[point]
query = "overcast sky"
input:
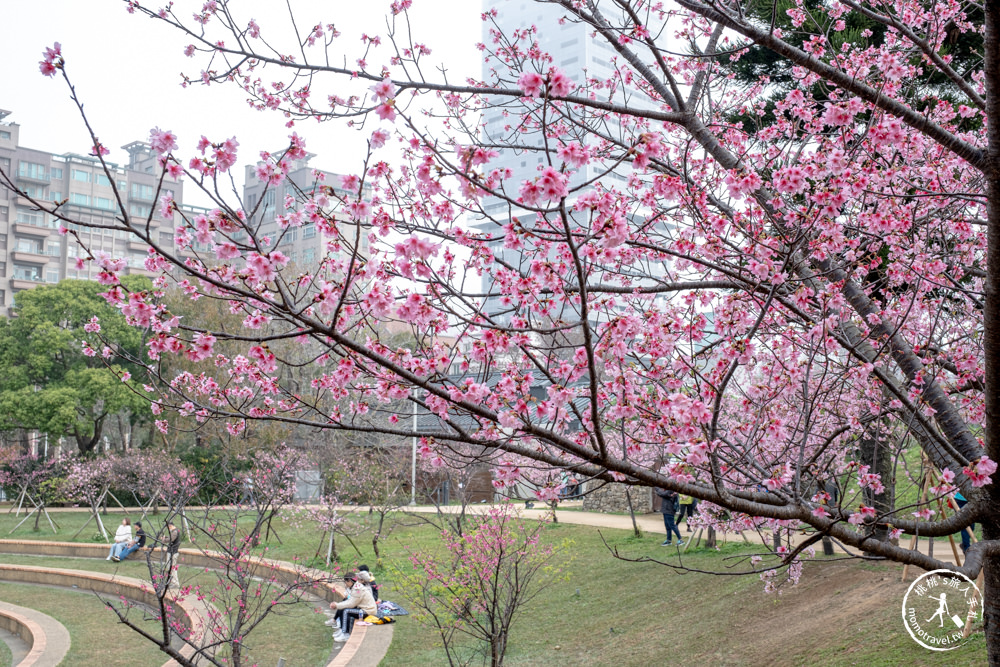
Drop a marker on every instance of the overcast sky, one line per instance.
(126, 69)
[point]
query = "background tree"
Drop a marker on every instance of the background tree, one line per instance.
(53, 376)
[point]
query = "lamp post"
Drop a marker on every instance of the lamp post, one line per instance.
(413, 460)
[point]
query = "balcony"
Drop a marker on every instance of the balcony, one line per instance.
(33, 177)
(30, 257)
(17, 283)
(29, 229)
(140, 271)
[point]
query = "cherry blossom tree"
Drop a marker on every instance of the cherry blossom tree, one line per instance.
(478, 590)
(139, 473)
(33, 480)
(375, 478)
(90, 481)
(739, 308)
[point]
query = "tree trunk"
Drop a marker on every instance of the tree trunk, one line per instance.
(877, 455)
(631, 512)
(991, 323)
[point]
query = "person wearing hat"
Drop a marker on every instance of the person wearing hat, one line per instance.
(358, 604)
(365, 575)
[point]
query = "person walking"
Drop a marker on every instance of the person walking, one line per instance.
(668, 507)
(687, 510)
(173, 546)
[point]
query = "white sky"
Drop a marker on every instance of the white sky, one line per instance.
(126, 69)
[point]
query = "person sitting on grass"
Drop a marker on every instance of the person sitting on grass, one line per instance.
(357, 605)
(122, 537)
(126, 549)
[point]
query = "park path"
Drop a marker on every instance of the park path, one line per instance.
(571, 512)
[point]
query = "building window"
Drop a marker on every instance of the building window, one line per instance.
(268, 211)
(80, 175)
(24, 272)
(166, 238)
(4, 134)
(3, 297)
(4, 212)
(308, 255)
(56, 195)
(122, 186)
(3, 269)
(309, 231)
(31, 170)
(28, 245)
(53, 249)
(52, 275)
(34, 191)
(105, 203)
(28, 217)
(102, 179)
(140, 211)
(79, 199)
(3, 241)
(57, 173)
(5, 164)
(142, 192)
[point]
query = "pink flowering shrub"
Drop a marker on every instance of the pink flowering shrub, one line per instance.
(474, 593)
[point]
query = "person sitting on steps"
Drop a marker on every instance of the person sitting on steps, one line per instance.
(122, 537)
(357, 605)
(125, 549)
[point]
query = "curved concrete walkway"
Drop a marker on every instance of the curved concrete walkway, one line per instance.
(46, 639)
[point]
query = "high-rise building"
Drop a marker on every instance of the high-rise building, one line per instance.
(574, 51)
(304, 245)
(578, 54)
(32, 252)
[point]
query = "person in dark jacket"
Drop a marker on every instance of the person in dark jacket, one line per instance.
(668, 508)
(131, 547)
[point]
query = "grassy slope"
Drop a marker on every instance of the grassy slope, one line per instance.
(5, 657)
(96, 639)
(616, 613)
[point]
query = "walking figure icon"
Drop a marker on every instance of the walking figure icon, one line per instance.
(942, 610)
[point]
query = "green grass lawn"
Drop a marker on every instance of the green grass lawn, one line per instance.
(96, 638)
(6, 659)
(619, 614)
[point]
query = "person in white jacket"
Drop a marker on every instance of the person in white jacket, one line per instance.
(122, 535)
(358, 604)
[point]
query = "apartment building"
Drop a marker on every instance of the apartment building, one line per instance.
(305, 245)
(32, 252)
